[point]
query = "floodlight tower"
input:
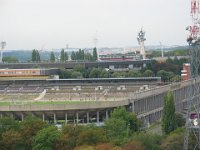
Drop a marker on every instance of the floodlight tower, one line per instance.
(3, 45)
(141, 38)
(193, 112)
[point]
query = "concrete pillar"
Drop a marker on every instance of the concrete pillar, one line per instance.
(32, 114)
(1, 115)
(54, 118)
(22, 116)
(88, 117)
(133, 107)
(77, 117)
(65, 117)
(106, 114)
(97, 117)
(43, 116)
(11, 115)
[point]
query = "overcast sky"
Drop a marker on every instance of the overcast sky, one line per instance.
(28, 24)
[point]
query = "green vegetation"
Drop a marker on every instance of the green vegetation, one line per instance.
(52, 57)
(169, 71)
(10, 59)
(120, 132)
(35, 55)
(169, 123)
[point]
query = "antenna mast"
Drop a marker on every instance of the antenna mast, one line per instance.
(193, 112)
(141, 38)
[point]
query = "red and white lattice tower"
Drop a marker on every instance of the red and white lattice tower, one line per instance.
(192, 128)
(194, 28)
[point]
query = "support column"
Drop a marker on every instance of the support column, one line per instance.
(1, 115)
(32, 114)
(88, 117)
(11, 115)
(65, 117)
(106, 114)
(133, 107)
(77, 117)
(22, 116)
(97, 117)
(43, 116)
(54, 118)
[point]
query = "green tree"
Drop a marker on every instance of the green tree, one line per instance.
(69, 137)
(174, 141)
(148, 73)
(76, 74)
(121, 125)
(73, 56)
(88, 56)
(29, 128)
(7, 123)
(91, 135)
(10, 59)
(62, 55)
(46, 138)
(169, 123)
(116, 130)
(52, 57)
(65, 74)
(10, 140)
(66, 56)
(95, 54)
(95, 73)
(149, 141)
(37, 55)
(33, 55)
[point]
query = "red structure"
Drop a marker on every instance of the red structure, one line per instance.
(185, 73)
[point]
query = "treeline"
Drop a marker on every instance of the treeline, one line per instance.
(169, 71)
(64, 56)
(178, 52)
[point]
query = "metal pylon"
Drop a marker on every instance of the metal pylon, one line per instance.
(192, 127)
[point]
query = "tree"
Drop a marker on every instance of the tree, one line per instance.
(120, 125)
(7, 123)
(73, 56)
(174, 141)
(76, 74)
(10, 59)
(133, 145)
(46, 138)
(149, 141)
(148, 73)
(66, 56)
(37, 55)
(62, 55)
(91, 135)
(52, 57)
(95, 54)
(69, 137)
(116, 130)
(168, 116)
(95, 73)
(33, 55)
(65, 74)
(10, 140)
(88, 56)
(29, 128)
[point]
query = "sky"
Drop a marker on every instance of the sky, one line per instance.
(48, 24)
